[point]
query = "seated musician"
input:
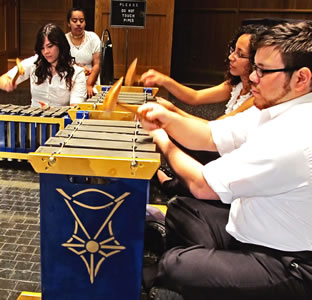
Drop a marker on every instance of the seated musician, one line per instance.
(247, 234)
(55, 79)
(235, 89)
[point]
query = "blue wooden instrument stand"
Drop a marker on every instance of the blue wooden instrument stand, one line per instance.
(92, 237)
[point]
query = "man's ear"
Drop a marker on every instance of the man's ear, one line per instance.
(303, 79)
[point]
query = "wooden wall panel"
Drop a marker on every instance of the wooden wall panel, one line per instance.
(267, 4)
(199, 44)
(36, 13)
(3, 46)
(151, 45)
(12, 33)
(202, 30)
(192, 50)
(204, 4)
(304, 4)
(9, 34)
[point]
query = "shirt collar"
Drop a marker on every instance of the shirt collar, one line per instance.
(276, 110)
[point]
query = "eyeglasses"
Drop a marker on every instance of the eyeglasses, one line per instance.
(237, 54)
(261, 72)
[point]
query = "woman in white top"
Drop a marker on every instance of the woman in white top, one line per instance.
(236, 87)
(54, 78)
(85, 47)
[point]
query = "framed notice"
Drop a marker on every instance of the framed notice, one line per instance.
(127, 13)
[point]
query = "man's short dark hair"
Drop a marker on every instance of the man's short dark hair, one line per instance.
(293, 40)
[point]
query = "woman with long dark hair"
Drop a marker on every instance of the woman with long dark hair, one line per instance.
(235, 88)
(55, 79)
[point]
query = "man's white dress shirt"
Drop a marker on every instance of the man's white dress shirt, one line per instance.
(265, 173)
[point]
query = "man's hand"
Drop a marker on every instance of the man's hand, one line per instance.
(153, 116)
(161, 138)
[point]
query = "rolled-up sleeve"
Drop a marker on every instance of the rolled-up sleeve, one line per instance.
(229, 133)
(263, 166)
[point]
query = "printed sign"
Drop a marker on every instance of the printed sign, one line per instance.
(128, 13)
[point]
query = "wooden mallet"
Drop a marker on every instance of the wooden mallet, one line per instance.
(111, 98)
(131, 73)
(20, 70)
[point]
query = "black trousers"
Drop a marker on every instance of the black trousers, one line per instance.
(205, 262)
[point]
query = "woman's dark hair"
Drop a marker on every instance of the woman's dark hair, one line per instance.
(253, 30)
(64, 67)
(70, 12)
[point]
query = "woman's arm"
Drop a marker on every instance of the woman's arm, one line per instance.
(94, 73)
(167, 104)
(219, 93)
(6, 80)
(189, 132)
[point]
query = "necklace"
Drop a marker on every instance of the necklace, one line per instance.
(76, 37)
(78, 40)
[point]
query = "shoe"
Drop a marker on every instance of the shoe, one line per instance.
(154, 240)
(175, 187)
(159, 293)
(167, 171)
(157, 195)
(155, 181)
(154, 247)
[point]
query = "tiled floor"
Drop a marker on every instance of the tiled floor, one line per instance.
(19, 212)
(19, 230)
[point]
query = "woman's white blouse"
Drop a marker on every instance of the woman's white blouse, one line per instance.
(84, 53)
(236, 99)
(54, 93)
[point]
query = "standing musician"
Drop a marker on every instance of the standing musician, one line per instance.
(85, 46)
(248, 232)
(55, 79)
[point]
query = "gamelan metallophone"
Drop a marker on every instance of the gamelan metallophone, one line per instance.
(94, 187)
(24, 128)
(128, 96)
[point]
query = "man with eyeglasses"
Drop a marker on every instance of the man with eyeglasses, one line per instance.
(248, 233)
